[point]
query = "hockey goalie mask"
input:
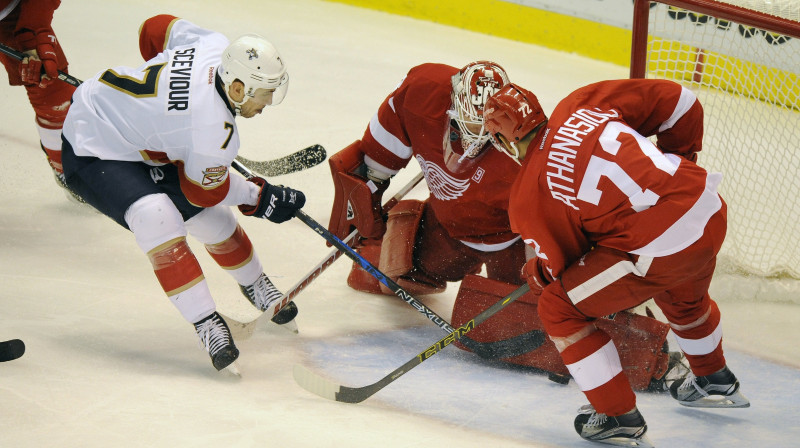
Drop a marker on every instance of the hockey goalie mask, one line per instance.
(257, 64)
(465, 139)
(510, 115)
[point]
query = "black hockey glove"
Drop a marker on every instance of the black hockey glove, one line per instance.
(275, 202)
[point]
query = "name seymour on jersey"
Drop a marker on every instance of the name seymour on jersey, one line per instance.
(560, 165)
(180, 79)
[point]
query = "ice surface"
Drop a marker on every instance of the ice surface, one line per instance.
(110, 362)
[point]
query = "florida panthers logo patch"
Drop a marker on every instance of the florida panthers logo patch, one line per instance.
(214, 176)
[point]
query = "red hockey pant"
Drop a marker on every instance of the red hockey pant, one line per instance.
(605, 281)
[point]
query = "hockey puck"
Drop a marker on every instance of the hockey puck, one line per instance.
(11, 350)
(560, 379)
(286, 315)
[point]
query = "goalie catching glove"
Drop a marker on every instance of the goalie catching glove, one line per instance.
(275, 202)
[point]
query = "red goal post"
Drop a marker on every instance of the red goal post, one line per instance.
(742, 60)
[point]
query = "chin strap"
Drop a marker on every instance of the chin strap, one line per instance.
(515, 156)
(237, 105)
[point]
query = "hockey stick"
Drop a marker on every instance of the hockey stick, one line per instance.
(300, 160)
(366, 265)
(67, 78)
(11, 350)
(334, 255)
(316, 384)
(475, 346)
(372, 270)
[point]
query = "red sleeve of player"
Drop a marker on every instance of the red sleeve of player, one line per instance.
(153, 35)
(385, 140)
(662, 108)
(35, 15)
(201, 195)
(682, 134)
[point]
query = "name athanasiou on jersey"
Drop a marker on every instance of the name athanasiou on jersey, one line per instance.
(168, 110)
(594, 177)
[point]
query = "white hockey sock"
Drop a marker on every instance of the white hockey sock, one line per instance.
(194, 303)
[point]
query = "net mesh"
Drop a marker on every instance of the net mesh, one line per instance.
(747, 80)
(787, 9)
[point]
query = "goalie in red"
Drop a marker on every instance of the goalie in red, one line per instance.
(615, 220)
(25, 26)
(435, 118)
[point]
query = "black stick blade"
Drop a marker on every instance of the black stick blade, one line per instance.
(11, 350)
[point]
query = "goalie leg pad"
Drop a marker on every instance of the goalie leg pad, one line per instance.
(518, 329)
(398, 250)
(640, 342)
(361, 280)
(639, 339)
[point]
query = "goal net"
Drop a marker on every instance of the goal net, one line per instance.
(742, 60)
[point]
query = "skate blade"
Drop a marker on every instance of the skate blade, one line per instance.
(641, 442)
(735, 400)
(232, 370)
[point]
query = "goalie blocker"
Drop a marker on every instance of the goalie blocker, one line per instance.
(385, 241)
(520, 338)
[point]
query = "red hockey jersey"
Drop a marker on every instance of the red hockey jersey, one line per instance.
(32, 15)
(593, 178)
(413, 123)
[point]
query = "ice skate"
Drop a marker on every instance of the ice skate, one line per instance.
(623, 430)
(62, 182)
(677, 369)
(263, 294)
(718, 390)
(216, 338)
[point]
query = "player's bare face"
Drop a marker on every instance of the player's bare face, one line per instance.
(256, 103)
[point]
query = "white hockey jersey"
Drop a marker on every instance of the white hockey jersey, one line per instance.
(171, 109)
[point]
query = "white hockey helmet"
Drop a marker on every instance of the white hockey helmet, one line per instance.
(472, 86)
(257, 64)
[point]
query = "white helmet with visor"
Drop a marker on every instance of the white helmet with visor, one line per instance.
(255, 62)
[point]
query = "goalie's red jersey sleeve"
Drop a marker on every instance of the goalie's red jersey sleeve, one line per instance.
(410, 116)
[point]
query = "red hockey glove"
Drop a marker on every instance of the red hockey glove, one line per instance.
(40, 47)
(536, 275)
(360, 203)
(275, 202)
(357, 201)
